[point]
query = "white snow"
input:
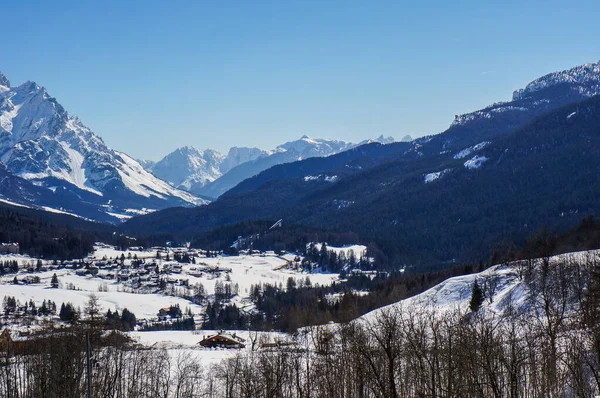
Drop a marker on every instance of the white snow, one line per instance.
(8, 202)
(467, 151)
(144, 306)
(454, 294)
(123, 217)
(430, 177)
(475, 162)
(312, 178)
(321, 177)
(187, 342)
(53, 210)
(358, 250)
(244, 270)
(42, 141)
(571, 115)
(145, 184)
(76, 175)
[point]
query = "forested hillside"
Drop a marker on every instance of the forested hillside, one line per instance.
(541, 174)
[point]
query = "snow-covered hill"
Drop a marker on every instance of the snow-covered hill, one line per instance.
(506, 287)
(41, 142)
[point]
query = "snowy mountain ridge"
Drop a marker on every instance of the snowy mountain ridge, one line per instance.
(41, 142)
(195, 169)
(583, 81)
(587, 76)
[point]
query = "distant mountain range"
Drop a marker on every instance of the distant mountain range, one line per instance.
(51, 161)
(209, 173)
(497, 173)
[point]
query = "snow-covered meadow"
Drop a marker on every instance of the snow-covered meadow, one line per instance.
(243, 271)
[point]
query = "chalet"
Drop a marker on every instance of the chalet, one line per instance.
(9, 248)
(164, 313)
(222, 340)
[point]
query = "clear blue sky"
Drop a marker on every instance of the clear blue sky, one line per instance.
(149, 76)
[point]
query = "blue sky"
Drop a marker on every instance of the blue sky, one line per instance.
(151, 76)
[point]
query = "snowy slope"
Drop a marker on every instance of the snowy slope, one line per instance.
(510, 289)
(41, 142)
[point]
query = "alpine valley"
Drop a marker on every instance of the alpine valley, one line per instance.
(498, 173)
(462, 264)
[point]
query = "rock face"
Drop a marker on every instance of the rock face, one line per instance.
(41, 142)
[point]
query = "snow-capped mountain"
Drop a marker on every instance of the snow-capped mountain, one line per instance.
(210, 173)
(188, 166)
(41, 142)
(304, 148)
(239, 155)
(383, 140)
(307, 147)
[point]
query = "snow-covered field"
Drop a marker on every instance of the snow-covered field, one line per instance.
(186, 342)
(358, 250)
(244, 270)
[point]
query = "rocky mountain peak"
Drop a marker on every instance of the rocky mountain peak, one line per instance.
(4, 81)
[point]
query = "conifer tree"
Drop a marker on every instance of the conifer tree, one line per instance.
(54, 282)
(476, 297)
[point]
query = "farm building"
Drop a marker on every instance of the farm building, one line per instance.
(222, 340)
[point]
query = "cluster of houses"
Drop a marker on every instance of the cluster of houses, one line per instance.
(146, 274)
(9, 248)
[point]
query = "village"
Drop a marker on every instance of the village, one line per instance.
(165, 288)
